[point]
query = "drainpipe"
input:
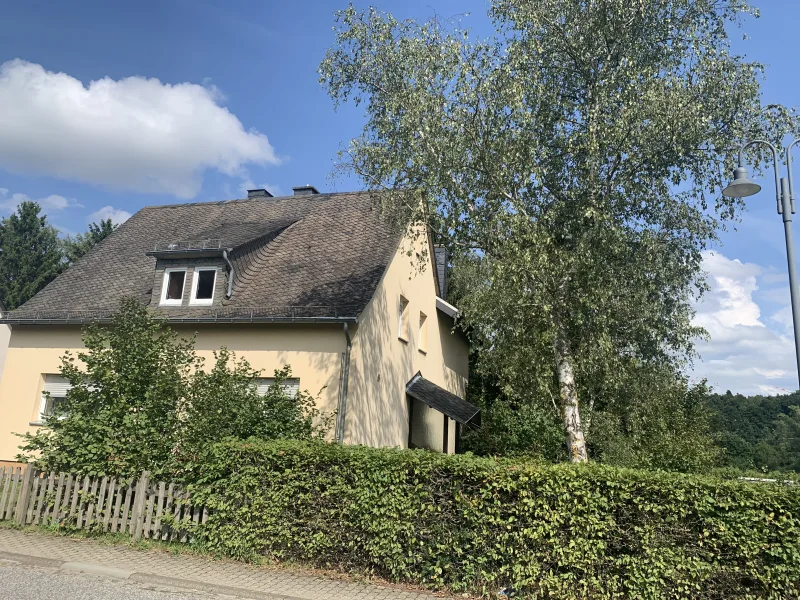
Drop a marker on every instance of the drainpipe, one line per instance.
(345, 378)
(230, 276)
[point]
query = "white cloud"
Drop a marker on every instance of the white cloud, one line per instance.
(134, 133)
(743, 354)
(771, 390)
(784, 316)
(776, 278)
(53, 202)
(116, 215)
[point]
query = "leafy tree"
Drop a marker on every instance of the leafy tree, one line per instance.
(76, 247)
(224, 403)
(656, 420)
(140, 400)
(30, 256)
(787, 440)
(121, 415)
(758, 432)
(570, 158)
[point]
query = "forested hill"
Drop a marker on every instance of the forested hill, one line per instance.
(761, 432)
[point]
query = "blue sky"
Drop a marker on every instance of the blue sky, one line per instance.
(237, 104)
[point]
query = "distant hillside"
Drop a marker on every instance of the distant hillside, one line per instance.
(758, 432)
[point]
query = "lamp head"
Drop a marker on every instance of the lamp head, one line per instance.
(741, 186)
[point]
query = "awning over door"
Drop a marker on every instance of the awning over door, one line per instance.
(440, 399)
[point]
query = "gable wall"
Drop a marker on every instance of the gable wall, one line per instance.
(381, 364)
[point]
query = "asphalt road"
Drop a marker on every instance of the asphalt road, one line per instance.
(39, 583)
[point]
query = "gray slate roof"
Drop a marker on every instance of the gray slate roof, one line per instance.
(440, 399)
(319, 255)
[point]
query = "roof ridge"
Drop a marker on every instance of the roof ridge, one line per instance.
(259, 199)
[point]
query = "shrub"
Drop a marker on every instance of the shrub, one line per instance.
(476, 525)
(141, 400)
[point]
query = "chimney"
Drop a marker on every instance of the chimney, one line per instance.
(305, 190)
(440, 260)
(261, 193)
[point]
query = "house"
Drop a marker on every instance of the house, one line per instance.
(5, 335)
(319, 282)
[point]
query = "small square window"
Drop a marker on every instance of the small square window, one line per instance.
(54, 393)
(172, 292)
(203, 286)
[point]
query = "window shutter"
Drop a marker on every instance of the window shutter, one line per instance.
(56, 385)
(291, 386)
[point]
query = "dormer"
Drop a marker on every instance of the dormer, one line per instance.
(190, 274)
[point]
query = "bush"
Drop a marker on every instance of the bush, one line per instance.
(142, 400)
(476, 525)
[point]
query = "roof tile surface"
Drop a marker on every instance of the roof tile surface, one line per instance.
(321, 251)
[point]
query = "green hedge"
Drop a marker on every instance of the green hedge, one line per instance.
(476, 525)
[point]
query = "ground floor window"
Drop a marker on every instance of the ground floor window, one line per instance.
(54, 392)
(291, 385)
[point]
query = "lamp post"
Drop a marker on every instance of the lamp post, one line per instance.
(742, 187)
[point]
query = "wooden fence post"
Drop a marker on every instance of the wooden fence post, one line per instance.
(24, 494)
(139, 505)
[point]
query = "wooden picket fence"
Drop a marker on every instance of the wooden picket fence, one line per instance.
(141, 508)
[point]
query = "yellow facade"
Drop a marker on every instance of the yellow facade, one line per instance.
(377, 412)
(382, 363)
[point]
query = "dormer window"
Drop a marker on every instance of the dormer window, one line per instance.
(205, 280)
(172, 288)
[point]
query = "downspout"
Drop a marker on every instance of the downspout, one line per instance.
(345, 379)
(230, 276)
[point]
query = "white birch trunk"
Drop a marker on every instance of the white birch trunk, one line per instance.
(576, 444)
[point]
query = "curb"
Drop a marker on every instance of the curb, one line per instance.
(147, 578)
(92, 569)
(138, 577)
(35, 561)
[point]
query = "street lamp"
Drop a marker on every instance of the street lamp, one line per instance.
(742, 187)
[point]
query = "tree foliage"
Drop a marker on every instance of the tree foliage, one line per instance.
(572, 159)
(30, 254)
(76, 247)
(758, 432)
(140, 400)
(224, 403)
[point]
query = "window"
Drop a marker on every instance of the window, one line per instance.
(402, 324)
(291, 385)
(54, 392)
(422, 336)
(203, 285)
(172, 288)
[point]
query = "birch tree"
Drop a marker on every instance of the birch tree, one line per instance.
(577, 156)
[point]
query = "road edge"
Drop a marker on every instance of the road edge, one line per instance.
(139, 576)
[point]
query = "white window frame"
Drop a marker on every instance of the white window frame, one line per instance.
(193, 299)
(44, 395)
(165, 286)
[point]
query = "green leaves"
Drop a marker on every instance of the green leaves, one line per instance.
(76, 247)
(476, 525)
(569, 161)
(141, 401)
(30, 255)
